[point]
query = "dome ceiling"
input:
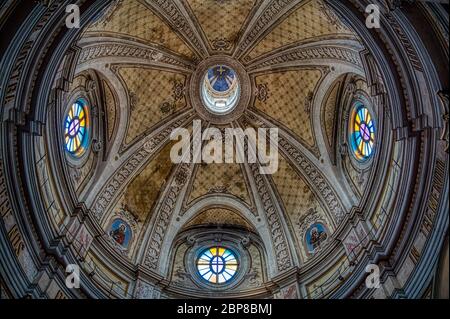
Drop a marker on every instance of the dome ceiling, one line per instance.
(153, 62)
(142, 70)
(147, 66)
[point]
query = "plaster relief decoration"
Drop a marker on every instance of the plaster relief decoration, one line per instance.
(144, 290)
(262, 92)
(83, 241)
(355, 240)
(314, 232)
(284, 260)
(164, 216)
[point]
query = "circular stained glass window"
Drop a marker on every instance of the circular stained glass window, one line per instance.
(362, 132)
(220, 89)
(217, 265)
(76, 128)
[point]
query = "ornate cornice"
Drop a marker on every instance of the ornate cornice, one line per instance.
(104, 49)
(17, 98)
(404, 40)
(307, 53)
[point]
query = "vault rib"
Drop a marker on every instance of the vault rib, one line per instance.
(265, 20)
(175, 15)
(130, 163)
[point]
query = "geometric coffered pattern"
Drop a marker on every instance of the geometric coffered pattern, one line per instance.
(221, 21)
(312, 19)
(297, 197)
(219, 178)
(152, 97)
(289, 92)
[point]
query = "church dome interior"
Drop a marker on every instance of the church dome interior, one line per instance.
(276, 149)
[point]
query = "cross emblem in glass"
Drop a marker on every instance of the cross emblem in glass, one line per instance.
(217, 265)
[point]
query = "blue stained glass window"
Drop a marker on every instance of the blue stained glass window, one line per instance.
(217, 265)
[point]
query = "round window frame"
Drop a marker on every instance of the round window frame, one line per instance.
(361, 100)
(196, 85)
(204, 91)
(240, 254)
(218, 246)
(305, 242)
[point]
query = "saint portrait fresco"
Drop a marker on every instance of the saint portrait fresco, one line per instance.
(120, 232)
(316, 236)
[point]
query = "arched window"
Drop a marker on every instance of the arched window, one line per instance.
(76, 128)
(217, 265)
(362, 132)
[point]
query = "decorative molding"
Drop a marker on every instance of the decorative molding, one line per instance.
(164, 215)
(307, 53)
(12, 90)
(262, 92)
(150, 55)
(405, 42)
(316, 178)
(221, 44)
(279, 241)
(126, 171)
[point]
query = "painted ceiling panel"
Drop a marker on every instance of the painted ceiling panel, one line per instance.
(312, 19)
(142, 193)
(288, 93)
(134, 19)
(219, 178)
(218, 216)
(298, 199)
(221, 21)
(152, 100)
(295, 193)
